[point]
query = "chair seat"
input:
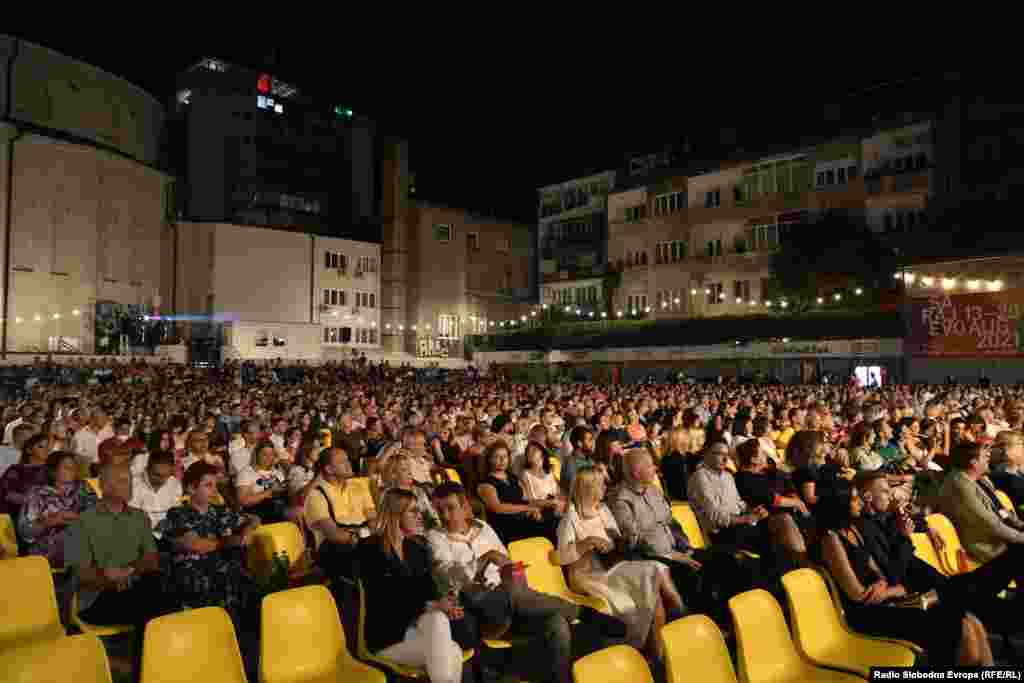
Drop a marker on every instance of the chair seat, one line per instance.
(95, 629)
(851, 655)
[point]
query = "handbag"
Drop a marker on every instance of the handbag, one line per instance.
(920, 601)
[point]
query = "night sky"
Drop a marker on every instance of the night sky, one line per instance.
(487, 124)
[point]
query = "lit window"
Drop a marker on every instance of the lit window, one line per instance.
(263, 83)
(184, 96)
(279, 108)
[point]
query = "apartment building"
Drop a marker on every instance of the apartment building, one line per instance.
(700, 243)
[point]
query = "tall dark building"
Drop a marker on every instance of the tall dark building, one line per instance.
(250, 149)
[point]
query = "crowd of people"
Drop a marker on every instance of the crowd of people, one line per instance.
(147, 483)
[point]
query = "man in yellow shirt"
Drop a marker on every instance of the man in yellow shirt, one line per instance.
(795, 419)
(337, 512)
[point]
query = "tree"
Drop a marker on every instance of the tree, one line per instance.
(832, 251)
(611, 282)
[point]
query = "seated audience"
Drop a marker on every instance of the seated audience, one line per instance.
(207, 564)
(538, 479)
(639, 592)
(582, 440)
(399, 475)
(49, 509)
(28, 473)
(156, 490)
(1007, 465)
(261, 486)
(407, 620)
(508, 510)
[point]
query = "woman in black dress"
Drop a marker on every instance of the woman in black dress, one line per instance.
(948, 633)
(407, 620)
(508, 510)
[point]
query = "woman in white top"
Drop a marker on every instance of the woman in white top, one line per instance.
(538, 479)
(262, 490)
(637, 591)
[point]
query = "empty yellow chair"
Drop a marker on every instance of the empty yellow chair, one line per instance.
(8, 537)
(81, 659)
(266, 541)
(820, 634)
(197, 645)
(29, 612)
(364, 653)
(544, 575)
(687, 519)
(925, 551)
(618, 664)
(695, 651)
(764, 651)
(301, 640)
(953, 556)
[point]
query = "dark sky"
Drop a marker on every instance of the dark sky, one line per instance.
(486, 124)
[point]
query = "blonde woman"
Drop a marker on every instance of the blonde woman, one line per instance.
(399, 475)
(406, 620)
(638, 592)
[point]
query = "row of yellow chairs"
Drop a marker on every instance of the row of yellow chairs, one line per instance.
(821, 649)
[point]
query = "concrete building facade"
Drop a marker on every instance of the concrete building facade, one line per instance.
(83, 219)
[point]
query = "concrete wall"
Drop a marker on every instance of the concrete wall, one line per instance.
(260, 341)
(87, 226)
(60, 93)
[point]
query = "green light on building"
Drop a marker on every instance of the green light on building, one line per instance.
(344, 112)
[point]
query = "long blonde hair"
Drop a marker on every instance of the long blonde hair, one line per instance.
(679, 440)
(388, 526)
(1005, 440)
(586, 485)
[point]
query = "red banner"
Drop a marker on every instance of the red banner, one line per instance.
(982, 324)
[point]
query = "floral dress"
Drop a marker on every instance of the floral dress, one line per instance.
(210, 579)
(76, 496)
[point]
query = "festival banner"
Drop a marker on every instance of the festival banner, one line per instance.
(972, 325)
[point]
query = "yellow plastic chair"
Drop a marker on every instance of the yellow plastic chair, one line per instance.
(764, 651)
(687, 519)
(81, 659)
(8, 537)
(618, 664)
(94, 484)
(453, 475)
(302, 641)
(695, 651)
(954, 557)
(1005, 501)
(837, 602)
(820, 635)
(326, 438)
(29, 603)
(363, 652)
(545, 576)
(197, 645)
(925, 551)
(268, 540)
(556, 467)
(94, 629)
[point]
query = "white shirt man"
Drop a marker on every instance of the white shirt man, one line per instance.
(460, 553)
(86, 445)
(156, 490)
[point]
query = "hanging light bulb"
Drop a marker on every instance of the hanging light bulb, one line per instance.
(76, 313)
(948, 283)
(38, 317)
(995, 285)
(784, 304)
(837, 296)
(909, 278)
(603, 314)
(768, 304)
(820, 300)
(858, 291)
(973, 285)
(927, 281)
(619, 314)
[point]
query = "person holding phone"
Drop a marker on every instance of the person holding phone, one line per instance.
(262, 486)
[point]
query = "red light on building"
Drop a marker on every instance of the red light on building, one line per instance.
(263, 84)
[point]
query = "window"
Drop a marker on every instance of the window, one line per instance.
(473, 241)
(448, 326)
(334, 297)
(763, 237)
(504, 246)
(715, 294)
(373, 300)
(635, 213)
(741, 289)
(443, 232)
(851, 172)
(334, 260)
(712, 199)
(840, 175)
(367, 264)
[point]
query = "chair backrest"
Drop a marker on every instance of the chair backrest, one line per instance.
(950, 555)
(81, 659)
(925, 551)
(1005, 501)
(695, 651)
(8, 537)
(453, 475)
(29, 602)
(274, 538)
(301, 638)
(94, 484)
(764, 650)
(326, 438)
(617, 664)
(197, 645)
(684, 514)
(816, 624)
(556, 467)
(543, 575)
